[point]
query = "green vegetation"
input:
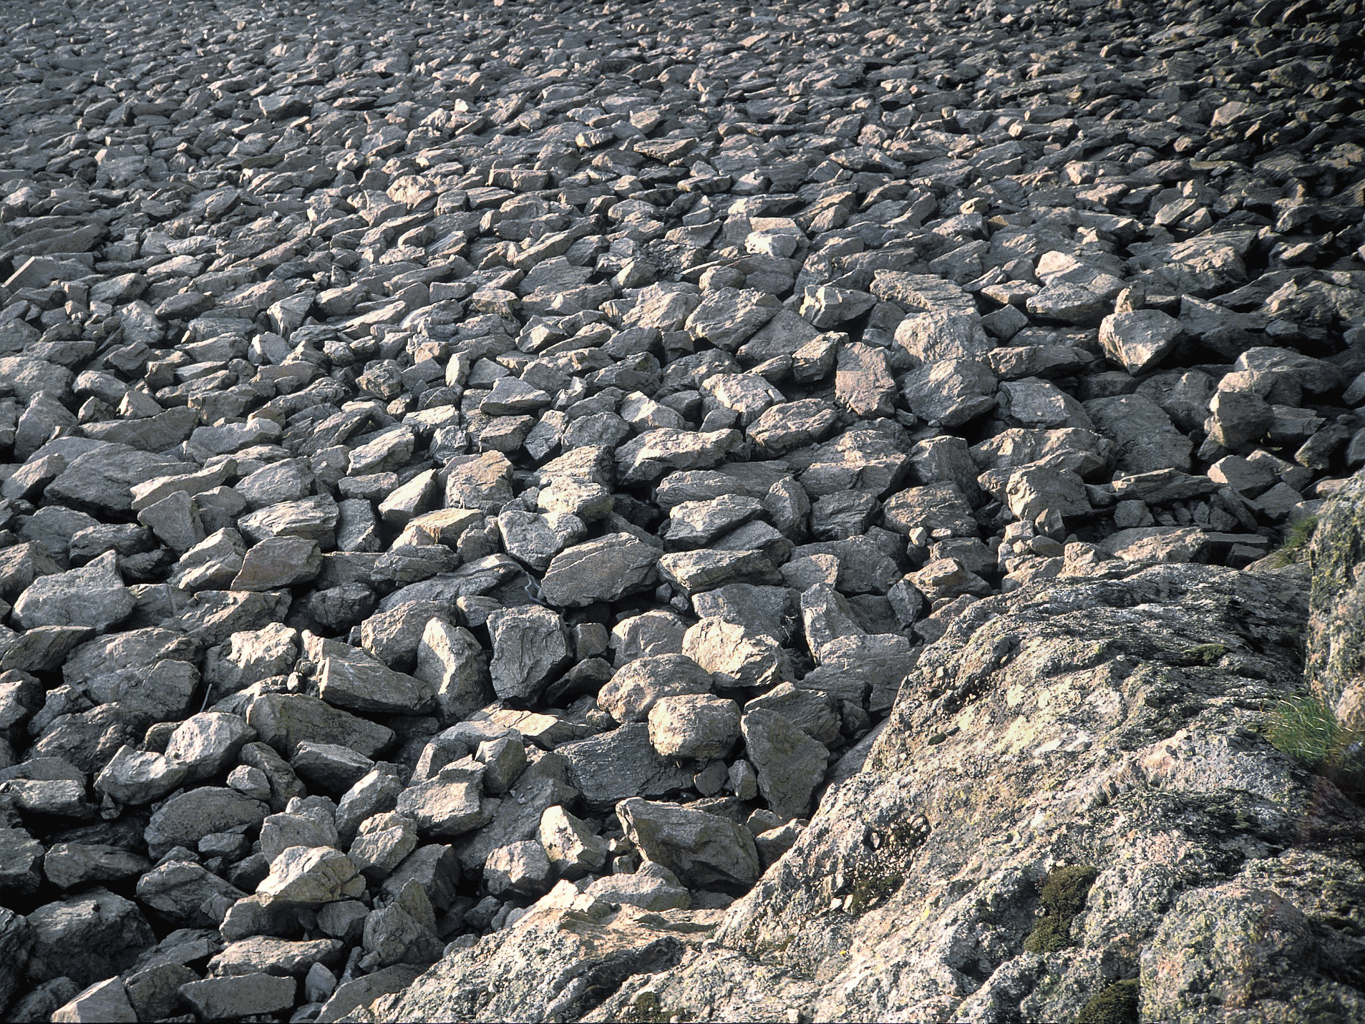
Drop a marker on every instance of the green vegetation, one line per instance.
(1296, 538)
(1203, 654)
(1305, 728)
(646, 1008)
(1117, 1004)
(1063, 897)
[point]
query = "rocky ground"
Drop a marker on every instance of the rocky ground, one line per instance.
(474, 480)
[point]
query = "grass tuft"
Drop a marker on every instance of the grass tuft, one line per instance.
(1296, 537)
(1305, 728)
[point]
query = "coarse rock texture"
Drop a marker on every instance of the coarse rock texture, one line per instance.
(1072, 797)
(479, 482)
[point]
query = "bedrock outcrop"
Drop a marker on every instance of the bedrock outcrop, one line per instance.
(1073, 805)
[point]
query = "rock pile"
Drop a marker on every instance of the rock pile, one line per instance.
(456, 456)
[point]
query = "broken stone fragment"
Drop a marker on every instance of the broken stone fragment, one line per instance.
(703, 850)
(1140, 339)
(93, 596)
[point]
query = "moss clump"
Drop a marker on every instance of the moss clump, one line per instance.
(1063, 897)
(1117, 1004)
(646, 1008)
(1296, 538)
(1203, 654)
(1305, 728)
(871, 889)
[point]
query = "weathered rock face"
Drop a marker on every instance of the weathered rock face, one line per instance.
(1073, 802)
(451, 452)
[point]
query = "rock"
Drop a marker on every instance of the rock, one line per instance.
(102, 1001)
(402, 932)
(361, 991)
(154, 992)
(310, 876)
(530, 647)
(1146, 438)
(187, 894)
(949, 392)
(21, 862)
(330, 767)
(734, 657)
(278, 562)
(943, 333)
(239, 995)
(184, 819)
(285, 720)
(1140, 339)
(790, 764)
(269, 955)
(600, 570)
(87, 937)
(863, 383)
(383, 841)
(450, 660)
(92, 596)
(703, 850)
(479, 482)
(139, 776)
(307, 823)
(520, 868)
(76, 865)
(572, 848)
(353, 680)
(639, 684)
(250, 656)
(208, 743)
(447, 806)
(620, 764)
(699, 727)
(1237, 419)
(633, 299)
(644, 889)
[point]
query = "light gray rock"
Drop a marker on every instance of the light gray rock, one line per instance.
(102, 1001)
(572, 848)
(239, 995)
(790, 764)
(703, 850)
(350, 678)
(1140, 339)
(139, 776)
(311, 876)
(734, 657)
(949, 392)
(271, 955)
(93, 595)
(446, 806)
(620, 764)
(519, 869)
(698, 727)
(605, 569)
(640, 683)
(208, 743)
(530, 647)
(450, 660)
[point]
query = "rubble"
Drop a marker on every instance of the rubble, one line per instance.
(448, 454)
